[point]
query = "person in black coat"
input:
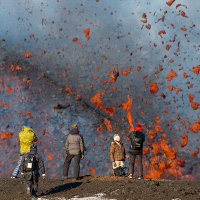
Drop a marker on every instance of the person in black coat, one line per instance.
(31, 165)
(137, 139)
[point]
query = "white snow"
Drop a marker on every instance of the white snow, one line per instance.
(99, 196)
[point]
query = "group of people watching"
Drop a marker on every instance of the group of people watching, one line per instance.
(118, 154)
(30, 162)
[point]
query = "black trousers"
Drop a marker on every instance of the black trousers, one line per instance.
(32, 182)
(67, 163)
(132, 158)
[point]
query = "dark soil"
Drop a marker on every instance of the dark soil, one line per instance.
(119, 188)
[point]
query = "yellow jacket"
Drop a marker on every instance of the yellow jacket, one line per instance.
(26, 137)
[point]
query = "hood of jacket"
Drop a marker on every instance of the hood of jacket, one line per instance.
(26, 129)
(26, 138)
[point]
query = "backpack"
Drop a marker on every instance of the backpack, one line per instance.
(137, 142)
(30, 163)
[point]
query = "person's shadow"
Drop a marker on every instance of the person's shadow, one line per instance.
(61, 188)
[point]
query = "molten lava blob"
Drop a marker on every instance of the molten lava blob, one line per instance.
(172, 74)
(170, 2)
(108, 125)
(184, 140)
(97, 100)
(113, 76)
(127, 107)
(87, 33)
(28, 55)
(5, 136)
(196, 69)
(126, 72)
(154, 88)
(195, 127)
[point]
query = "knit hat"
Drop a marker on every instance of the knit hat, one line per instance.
(73, 126)
(138, 128)
(116, 138)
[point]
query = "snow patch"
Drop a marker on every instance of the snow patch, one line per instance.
(99, 196)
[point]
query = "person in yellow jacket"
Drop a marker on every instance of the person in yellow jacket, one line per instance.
(26, 138)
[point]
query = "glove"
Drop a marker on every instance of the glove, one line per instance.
(22, 174)
(43, 176)
(114, 164)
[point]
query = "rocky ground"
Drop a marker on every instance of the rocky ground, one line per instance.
(119, 188)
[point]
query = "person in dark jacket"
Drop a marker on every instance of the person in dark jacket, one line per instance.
(117, 156)
(27, 137)
(74, 150)
(31, 165)
(137, 139)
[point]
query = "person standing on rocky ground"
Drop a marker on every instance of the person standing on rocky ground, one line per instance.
(74, 150)
(31, 165)
(117, 156)
(26, 138)
(137, 139)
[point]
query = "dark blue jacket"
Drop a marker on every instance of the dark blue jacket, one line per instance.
(136, 134)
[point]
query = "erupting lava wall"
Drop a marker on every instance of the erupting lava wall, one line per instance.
(106, 65)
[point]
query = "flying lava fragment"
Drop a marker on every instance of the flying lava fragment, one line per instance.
(76, 41)
(170, 2)
(172, 74)
(87, 33)
(28, 54)
(154, 88)
(184, 140)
